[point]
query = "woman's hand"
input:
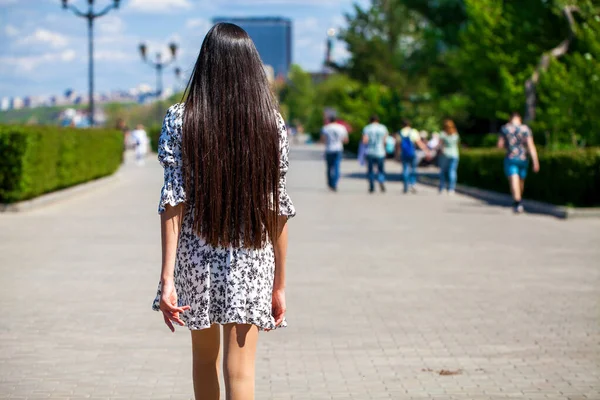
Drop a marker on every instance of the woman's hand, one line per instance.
(168, 305)
(278, 306)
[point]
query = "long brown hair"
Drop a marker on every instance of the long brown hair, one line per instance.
(449, 127)
(230, 143)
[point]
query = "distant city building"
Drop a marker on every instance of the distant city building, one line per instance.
(141, 94)
(273, 39)
(16, 103)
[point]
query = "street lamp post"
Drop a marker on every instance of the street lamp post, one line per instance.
(180, 79)
(330, 37)
(90, 16)
(158, 65)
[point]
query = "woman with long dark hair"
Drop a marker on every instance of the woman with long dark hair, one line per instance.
(224, 208)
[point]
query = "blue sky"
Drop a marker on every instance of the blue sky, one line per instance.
(43, 49)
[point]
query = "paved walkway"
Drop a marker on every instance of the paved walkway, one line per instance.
(387, 294)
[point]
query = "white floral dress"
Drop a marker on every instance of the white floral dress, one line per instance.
(221, 285)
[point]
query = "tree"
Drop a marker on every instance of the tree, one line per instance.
(298, 95)
(379, 40)
(568, 92)
(499, 46)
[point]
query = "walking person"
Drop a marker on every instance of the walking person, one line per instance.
(334, 135)
(141, 142)
(224, 238)
(517, 139)
(374, 137)
(408, 138)
(449, 141)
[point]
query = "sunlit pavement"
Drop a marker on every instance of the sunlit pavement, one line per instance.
(390, 296)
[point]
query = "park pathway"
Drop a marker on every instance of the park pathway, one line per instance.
(390, 297)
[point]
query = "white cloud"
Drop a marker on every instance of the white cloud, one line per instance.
(30, 63)
(201, 24)
(306, 25)
(159, 6)
(44, 36)
(11, 31)
(327, 3)
(111, 24)
(340, 53)
(114, 55)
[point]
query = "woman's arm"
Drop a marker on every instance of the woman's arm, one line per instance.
(423, 147)
(280, 248)
(170, 226)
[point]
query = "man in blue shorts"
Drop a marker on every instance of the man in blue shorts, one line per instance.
(517, 139)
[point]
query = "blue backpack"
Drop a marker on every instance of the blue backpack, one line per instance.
(407, 146)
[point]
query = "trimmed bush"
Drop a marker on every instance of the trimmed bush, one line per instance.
(154, 134)
(40, 159)
(569, 177)
(482, 140)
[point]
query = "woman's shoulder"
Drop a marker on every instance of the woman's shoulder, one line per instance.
(280, 122)
(174, 115)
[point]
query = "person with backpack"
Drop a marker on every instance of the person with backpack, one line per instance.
(374, 137)
(517, 139)
(408, 138)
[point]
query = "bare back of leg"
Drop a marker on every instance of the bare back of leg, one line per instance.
(206, 344)
(239, 348)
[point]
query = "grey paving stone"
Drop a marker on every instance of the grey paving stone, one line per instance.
(384, 292)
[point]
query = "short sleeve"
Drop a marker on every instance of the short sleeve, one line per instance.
(286, 207)
(169, 156)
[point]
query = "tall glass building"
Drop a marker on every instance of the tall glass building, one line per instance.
(273, 39)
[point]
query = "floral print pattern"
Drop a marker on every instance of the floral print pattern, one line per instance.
(221, 285)
(515, 141)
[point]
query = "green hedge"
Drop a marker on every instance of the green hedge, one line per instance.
(154, 134)
(41, 159)
(566, 177)
(479, 140)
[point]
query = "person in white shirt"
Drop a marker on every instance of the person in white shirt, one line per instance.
(334, 135)
(141, 142)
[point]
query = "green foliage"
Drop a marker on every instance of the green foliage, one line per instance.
(133, 114)
(568, 93)
(298, 96)
(565, 177)
(488, 140)
(353, 103)
(471, 59)
(154, 134)
(37, 160)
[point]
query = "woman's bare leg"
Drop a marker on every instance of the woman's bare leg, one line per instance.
(239, 348)
(206, 345)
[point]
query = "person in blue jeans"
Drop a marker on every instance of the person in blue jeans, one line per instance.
(449, 140)
(517, 139)
(408, 138)
(334, 135)
(374, 136)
